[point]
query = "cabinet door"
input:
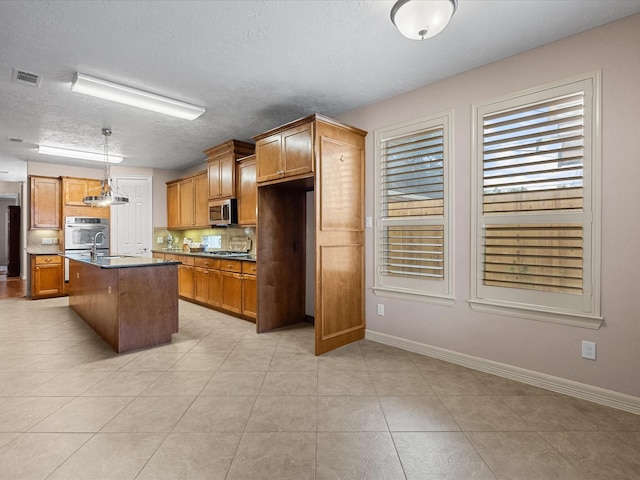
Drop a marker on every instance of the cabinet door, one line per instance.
(227, 177)
(214, 179)
(297, 150)
(201, 293)
(186, 281)
(268, 154)
(215, 288)
(232, 292)
(339, 269)
(187, 210)
(173, 206)
(47, 276)
(247, 191)
(45, 202)
(249, 296)
(74, 191)
(201, 200)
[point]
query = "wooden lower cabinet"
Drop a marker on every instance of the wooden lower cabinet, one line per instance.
(229, 285)
(249, 290)
(208, 281)
(250, 296)
(186, 274)
(186, 281)
(47, 276)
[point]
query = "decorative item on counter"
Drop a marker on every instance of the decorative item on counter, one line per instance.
(196, 247)
(169, 241)
(186, 245)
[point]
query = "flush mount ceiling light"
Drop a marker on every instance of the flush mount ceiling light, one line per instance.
(65, 152)
(107, 195)
(97, 87)
(421, 19)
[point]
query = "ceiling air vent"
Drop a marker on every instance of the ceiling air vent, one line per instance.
(26, 78)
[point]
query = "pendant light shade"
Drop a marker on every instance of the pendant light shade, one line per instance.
(421, 19)
(107, 196)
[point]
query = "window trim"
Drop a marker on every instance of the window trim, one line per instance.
(446, 297)
(592, 318)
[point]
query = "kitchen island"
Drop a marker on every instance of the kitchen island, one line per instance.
(131, 302)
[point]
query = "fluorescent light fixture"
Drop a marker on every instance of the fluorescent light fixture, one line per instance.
(64, 152)
(97, 87)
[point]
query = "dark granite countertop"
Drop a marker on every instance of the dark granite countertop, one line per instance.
(236, 256)
(118, 261)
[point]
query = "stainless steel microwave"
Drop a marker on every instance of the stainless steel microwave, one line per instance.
(223, 212)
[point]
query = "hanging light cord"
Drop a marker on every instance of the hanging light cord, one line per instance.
(107, 168)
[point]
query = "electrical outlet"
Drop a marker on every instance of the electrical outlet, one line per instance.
(381, 309)
(46, 241)
(589, 350)
(369, 222)
(160, 240)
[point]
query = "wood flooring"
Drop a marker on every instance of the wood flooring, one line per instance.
(11, 287)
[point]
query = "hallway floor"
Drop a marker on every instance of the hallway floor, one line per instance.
(222, 402)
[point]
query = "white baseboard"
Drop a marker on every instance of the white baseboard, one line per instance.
(599, 395)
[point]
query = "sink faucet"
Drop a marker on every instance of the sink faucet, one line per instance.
(94, 247)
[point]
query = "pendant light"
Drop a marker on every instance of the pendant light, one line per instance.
(421, 19)
(107, 195)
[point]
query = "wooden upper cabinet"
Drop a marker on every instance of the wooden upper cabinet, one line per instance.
(75, 189)
(285, 153)
(187, 202)
(201, 200)
(221, 179)
(247, 191)
(45, 202)
(173, 205)
(221, 167)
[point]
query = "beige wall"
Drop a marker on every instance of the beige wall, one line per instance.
(537, 346)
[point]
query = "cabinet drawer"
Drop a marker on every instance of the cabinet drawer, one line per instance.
(250, 268)
(231, 265)
(48, 260)
(203, 262)
(185, 259)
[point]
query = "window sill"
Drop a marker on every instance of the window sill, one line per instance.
(414, 296)
(550, 316)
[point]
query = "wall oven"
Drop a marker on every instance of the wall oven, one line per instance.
(223, 212)
(79, 233)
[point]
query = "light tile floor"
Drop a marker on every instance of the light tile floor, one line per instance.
(222, 402)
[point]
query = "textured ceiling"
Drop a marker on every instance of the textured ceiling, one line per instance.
(254, 65)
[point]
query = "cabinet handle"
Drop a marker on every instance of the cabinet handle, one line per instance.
(47, 259)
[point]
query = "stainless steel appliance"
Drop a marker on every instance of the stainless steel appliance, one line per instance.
(80, 234)
(223, 212)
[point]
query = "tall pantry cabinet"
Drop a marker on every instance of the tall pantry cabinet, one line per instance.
(316, 154)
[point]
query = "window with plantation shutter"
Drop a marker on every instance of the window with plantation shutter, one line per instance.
(412, 220)
(536, 232)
